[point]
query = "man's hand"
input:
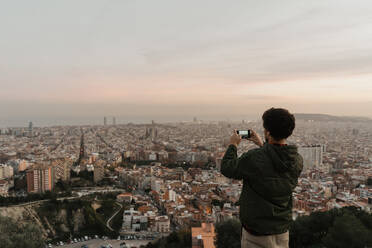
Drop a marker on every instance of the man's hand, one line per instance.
(235, 139)
(255, 138)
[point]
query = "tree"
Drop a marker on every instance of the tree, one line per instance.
(219, 203)
(369, 181)
(62, 186)
(181, 239)
(228, 234)
(310, 230)
(345, 227)
(349, 232)
(118, 220)
(13, 234)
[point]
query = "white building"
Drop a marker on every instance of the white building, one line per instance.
(156, 185)
(127, 219)
(312, 155)
(172, 195)
(162, 224)
(133, 221)
(152, 156)
(6, 171)
(4, 187)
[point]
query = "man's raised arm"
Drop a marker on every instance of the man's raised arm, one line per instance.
(230, 163)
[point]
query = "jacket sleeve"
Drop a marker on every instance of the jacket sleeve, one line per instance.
(231, 165)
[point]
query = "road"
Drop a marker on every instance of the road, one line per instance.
(96, 243)
(81, 192)
(109, 220)
(41, 201)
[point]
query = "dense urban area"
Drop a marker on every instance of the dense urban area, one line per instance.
(130, 185)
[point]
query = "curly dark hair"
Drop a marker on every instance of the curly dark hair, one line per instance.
(279, 122)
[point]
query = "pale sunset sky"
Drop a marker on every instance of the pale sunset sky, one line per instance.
(75, 61)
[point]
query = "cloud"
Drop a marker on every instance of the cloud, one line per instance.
(194, 53)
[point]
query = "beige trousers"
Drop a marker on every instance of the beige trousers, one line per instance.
(270, 241)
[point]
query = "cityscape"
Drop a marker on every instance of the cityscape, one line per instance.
(186, 124)
(165, 177)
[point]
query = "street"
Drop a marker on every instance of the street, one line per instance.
(96, 243)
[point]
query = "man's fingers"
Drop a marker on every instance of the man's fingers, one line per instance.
(236, 133)
(255, 134)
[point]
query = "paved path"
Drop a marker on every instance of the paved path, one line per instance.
(109, 220)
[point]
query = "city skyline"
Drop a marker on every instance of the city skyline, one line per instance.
(122, 122)
(75, 62)
(145, 120)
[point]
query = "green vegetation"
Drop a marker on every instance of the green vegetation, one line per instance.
(62, 186)
(346, 227)
(85, 178)
(106, 182)
(186, 165)
(14, 235)
(105, 196)
(117, 221)
(181, 239)
(337, 228)
(108, 208)
(20, 183)
(219, 203)
(78, 217)
(228, 234)
(369, 181)
(87, 175)
(144, 162)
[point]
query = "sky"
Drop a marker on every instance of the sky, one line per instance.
(75, 61)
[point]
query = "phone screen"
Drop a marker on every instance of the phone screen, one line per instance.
(246, 134)
(243, 132)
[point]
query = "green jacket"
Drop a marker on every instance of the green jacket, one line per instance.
(269, 175)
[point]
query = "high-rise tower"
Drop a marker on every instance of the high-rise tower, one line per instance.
(312, 155)
(82, 147)
(30, 126)
(40, 179)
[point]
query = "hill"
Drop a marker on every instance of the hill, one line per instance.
(59, 220)
(324, 117)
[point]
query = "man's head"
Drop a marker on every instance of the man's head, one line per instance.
(278, 124)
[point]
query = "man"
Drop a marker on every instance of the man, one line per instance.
(270, 174)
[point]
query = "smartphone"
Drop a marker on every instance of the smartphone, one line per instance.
(246, 134)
